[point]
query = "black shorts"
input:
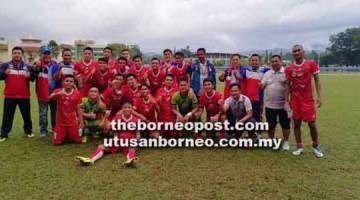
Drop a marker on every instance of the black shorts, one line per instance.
(272, 116)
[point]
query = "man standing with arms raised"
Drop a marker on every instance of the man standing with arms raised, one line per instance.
(232, 74)
(299, 87)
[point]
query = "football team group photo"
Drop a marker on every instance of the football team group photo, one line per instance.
(182, 100)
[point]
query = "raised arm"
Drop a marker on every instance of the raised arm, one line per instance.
(56, 94)
(222, 76)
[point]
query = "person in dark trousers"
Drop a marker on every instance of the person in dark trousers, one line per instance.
(17, 75)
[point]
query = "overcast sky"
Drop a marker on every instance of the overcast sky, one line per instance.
(218, 25)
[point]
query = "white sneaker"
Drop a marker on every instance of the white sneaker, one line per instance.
(317, 152)
(30, 135)
(285, 146)
(298, 151)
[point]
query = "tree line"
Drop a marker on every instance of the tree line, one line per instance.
(344, 49)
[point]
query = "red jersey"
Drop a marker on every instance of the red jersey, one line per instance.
(119, 70)
(230, 78)
(252, 84)
(131, 93)
(101, 80)
(156, 80)
(210, 103)
(42, 81)
(113, 101)
(84, 70)
(300, 77)
(67, 69)
(180, 73)
(17, 85)
(66, 108)
(140, 73)
(146, 108)
(112, 63)
(125, 133)
(167, 65)
(165, 95)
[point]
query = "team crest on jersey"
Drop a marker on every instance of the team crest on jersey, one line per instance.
(293, 74)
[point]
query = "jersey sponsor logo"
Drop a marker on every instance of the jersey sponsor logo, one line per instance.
(18, 72)
(67, 71)
(43, 75)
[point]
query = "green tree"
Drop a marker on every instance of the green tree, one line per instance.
(346, 47)
(117, 48)
(135, 50)
(55, 48)
(328, 59)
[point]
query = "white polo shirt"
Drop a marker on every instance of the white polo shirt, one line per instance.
(231, 102)
(274, 83)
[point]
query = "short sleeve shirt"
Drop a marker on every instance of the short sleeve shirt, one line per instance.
(274, 83)
(184, 102)
(211, 103)
(300, 77)
(89, 107)
(66, 110)
(232, 102)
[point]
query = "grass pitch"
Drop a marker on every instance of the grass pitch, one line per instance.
(35, 169)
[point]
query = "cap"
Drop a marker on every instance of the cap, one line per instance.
(45, 49)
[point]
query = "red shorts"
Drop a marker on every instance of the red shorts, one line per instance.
(66, 132)
(303, 110)
(117, 149)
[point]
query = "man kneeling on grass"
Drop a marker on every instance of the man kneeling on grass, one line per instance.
(238, 109)
(126, 116)
(68, 116)
(93, 110)
(184, 106)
